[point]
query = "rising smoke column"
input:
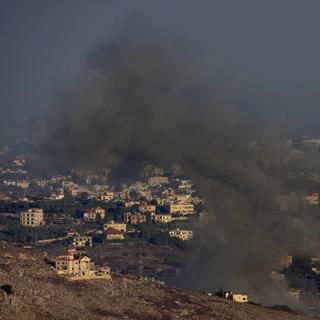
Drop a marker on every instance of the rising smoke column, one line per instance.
(144, 99)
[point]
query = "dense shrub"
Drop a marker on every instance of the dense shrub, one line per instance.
(7, 289)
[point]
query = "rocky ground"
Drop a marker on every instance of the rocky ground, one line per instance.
(38, 293)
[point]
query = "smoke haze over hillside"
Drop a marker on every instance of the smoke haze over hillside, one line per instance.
(227, 73)
(146, 99)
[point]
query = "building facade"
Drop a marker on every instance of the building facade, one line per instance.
(183, 209)
(32, 217)
(118, 226)
(134, 218)
(82, 241)
(184, 235)
(164, 218)
(79, 266)
(72, 264)
(91, 214)
(114, 234)
(158, 180)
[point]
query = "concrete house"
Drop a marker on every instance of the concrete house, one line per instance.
(76, 266)
(82, 241)
(32, 217)
(91, 214)
(114, 234)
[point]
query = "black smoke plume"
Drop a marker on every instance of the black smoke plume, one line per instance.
(142, 98)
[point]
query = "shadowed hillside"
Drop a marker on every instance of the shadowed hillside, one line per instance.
(38, 293)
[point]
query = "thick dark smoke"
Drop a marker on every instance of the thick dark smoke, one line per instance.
(144, 99)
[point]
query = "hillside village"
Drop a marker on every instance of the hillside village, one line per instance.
(162, 198)
(142, 227)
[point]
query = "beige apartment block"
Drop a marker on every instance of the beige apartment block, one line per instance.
(32, 217)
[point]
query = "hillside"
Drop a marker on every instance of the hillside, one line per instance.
(38, 293)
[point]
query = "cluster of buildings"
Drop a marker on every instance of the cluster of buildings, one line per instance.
(112, 230)
(164, 187)
(161, 199)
